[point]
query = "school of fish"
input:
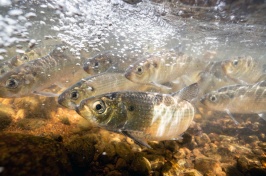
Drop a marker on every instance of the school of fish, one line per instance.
(145, 96)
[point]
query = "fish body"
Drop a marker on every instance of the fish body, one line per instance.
(59, 67)
(245, 70)
(244, 99)
(163, 67)
(20, 59)
(111, 61)
(100, 84)
(143, 116)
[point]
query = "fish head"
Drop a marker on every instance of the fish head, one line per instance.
(238, 66)
(142, 71)
(28, 56)
(17, 83)
(72, 96)
(98, 64)
(101, 109)
(216, 101)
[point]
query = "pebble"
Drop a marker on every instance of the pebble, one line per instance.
(5, 120)
(120, 164)
(208, 166)
(108, 154)
(123, 151)
(203, 139)
(140, 165)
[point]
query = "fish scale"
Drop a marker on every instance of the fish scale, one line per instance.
(143, 116)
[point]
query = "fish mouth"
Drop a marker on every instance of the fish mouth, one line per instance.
(127, 75)
(69, 105)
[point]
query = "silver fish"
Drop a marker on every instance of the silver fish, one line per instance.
(19, 59)
(244, 99)
(245, 70)
(60, 67)
(142, 116)
(100, 84)
(163, 67)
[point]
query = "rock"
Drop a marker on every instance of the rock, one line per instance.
(171, 145)
(208, 166)
(203, 139)
(120, 164)
(32, 155)
(157, 161)
(192, 172)
(123, 151)
(114, 173)
(5, 120)
(140, 166)
(108, 154)
(81, 152)
(245, 164)
(30, 123)
(182, 153)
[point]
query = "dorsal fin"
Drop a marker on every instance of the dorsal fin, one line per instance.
(188, 93)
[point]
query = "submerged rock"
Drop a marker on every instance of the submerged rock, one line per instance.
(32, 155)
(5, 120)
(81, 152)
(208, 166)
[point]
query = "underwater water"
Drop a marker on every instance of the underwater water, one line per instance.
(205, 111)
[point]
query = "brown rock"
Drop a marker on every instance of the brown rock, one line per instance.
(120, 164)
(114, 173)
(157, 161)
(5, 120)
(208, 166)
(123, 151)
(81, 152)
(203, 139)
(108, 154)
(32, 155)
(140, 166)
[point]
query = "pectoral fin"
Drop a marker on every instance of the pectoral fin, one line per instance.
(135, 139)
(263, 116)
(232, 117)
(46, 94)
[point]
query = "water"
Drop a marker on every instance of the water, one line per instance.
(215, 145)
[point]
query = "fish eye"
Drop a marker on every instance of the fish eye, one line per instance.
(25, 57)
(3, 71)
(235, 62)
(139, 70)
(74, 95)
(213, 98)
(11, 83)
(99, 106)
(96, 65)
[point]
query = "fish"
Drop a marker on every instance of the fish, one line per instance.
(60, 68)
(245, 69)
(111, 61)
(242, 99)
(165, 66)
(19, 59)
(142, 116)
(100, 84)
(213, 77)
